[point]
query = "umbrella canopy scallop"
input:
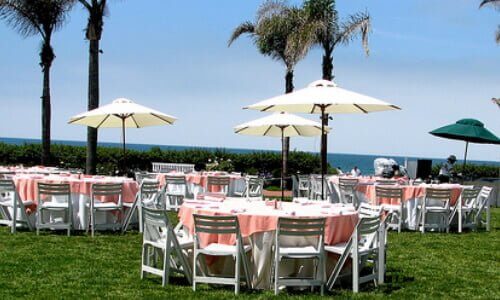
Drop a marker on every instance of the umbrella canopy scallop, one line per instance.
(122, 113)
(469, 130)
(273, 125)
(323, 96)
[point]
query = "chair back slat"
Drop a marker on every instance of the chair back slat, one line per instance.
(7, 186)
(218, 180)
(175, 179)
(301, 227)
(150, 187)
(434, 193)
(216, 224)
(367, 210)
(54, 189)
(107, 189)
(388, 192)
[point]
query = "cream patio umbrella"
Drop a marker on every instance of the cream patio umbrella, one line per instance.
(323, 97)
(281, 125)
(122, 113)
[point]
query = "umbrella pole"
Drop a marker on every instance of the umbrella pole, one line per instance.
(282, 175)
(465, 157)
(323, 152)
(123, 141)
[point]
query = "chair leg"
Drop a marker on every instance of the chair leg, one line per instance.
(92, 218)
(488, 216)
(423, 221)
(166, 266)
(195, 257)
(237, 273)
(143, 260)
(276, 275)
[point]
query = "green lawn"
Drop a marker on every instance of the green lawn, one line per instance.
(419, 266)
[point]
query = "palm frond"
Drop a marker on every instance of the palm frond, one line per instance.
(270, 8)
(245, 27)
(301, 39)
(31, 17)
(358, 23)
(494, 3)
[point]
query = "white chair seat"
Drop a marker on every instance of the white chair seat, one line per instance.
(105, 205)
(391, 207)
(221, 249)
(299, 252)
(340, 248)
(55, 205)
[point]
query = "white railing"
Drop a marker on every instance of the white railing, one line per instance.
(168, 167)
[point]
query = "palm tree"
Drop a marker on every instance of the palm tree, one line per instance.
(335, 33)
(283, 33)
(96, 10)
(44, 17)
(496, 4)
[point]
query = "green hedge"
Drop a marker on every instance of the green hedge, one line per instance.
(109, 159)
(472, 172)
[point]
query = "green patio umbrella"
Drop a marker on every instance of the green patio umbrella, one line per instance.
(468, 130)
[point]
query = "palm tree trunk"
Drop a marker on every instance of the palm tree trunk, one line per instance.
(286, 141)
(93, 102)
(46, 115)
(327, 75)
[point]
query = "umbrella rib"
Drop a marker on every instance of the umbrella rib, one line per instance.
(133, 119)
(103, 120)
(296, 129)
(360, 108)
(241, 129)
(269, 107)
(161, 118)
(312, 110)
(75, 120)
(268, 129)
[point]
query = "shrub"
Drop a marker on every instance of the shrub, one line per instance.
(110, 159)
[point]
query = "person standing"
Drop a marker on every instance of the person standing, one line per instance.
(447, 169)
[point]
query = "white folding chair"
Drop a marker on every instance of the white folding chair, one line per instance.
(304, 185)
(220, 181)
(54, 198)
(106, 190)
(483, 212)
(363, 246)
(10, 204)
(293, 228)
(435, 203)
(159, 235)
(393, 194)
(140, 176)
(464, 209)
(149, 194)
(175, 190)
(347, 189)
(252, 189)
(220, 225)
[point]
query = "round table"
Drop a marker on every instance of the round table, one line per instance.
(258, 221)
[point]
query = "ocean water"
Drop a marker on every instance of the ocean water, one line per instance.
(343, 160)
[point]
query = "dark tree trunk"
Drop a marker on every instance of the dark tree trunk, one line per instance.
(327, 75)
(46, 115)
(93, 102)
(286, 141)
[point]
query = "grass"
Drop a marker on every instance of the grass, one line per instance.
(460, 266)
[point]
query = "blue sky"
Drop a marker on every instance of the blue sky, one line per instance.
(435, 59)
